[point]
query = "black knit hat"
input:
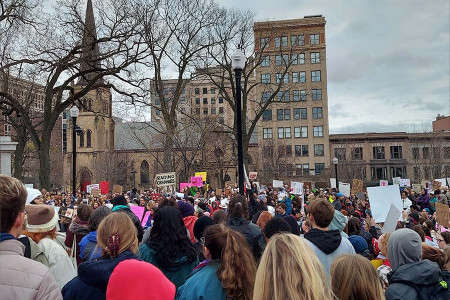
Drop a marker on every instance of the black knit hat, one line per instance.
(200, 226)
(119, 200)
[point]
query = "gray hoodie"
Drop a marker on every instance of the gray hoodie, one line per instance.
(404, 247)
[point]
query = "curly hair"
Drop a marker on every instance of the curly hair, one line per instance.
(169, 238)
(237, 267)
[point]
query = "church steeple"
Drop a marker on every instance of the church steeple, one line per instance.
(90, 53)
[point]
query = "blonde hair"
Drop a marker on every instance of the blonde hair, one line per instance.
(117, 224)
(383, 243)
(354, 277)
(37, 236)
(289, 269)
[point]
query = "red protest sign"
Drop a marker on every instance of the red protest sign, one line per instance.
(104, 187)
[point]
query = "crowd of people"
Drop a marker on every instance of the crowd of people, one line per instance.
(196, 244)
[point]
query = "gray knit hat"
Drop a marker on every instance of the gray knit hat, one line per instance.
(40, 218)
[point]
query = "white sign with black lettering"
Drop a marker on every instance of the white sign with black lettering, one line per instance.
(165, 179)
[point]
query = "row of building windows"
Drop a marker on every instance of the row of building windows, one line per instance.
(296, 59)
(206, 110)
(297, 77)
(435, 171)
(205, 100)
(296, 40)
(396, 152)
(205, 91)
(88, 139)
(298, 114)
(297, 95)
(427, 152)
(286, 133)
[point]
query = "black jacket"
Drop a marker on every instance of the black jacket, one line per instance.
(136, 222)
(252, 234)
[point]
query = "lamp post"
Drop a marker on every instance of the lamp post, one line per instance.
(73, 112)
(335, 162)
(238, 64)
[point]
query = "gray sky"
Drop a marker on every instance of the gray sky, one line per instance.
(387, 61)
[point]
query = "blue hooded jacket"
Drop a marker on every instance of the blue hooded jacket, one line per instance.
(88, 247)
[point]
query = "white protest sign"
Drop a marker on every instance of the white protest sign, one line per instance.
(381, 198)
(344, 188)
(396, 180)
(384, 183)
(405, 182)
(442, 181)
(297, 188)
(29, 185)
(391, 220)
(277, 183)
(165, 179)
(91, 187)
(333, 183)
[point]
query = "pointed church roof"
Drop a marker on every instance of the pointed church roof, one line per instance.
(90, 52)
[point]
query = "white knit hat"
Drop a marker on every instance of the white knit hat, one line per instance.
(40, 218)
(32, 194)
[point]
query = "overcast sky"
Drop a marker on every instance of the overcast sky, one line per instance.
(387, 60)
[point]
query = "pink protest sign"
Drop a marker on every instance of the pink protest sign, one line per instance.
(139, 211)
(196, 181)
(183, 185)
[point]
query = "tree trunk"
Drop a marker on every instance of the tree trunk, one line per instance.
(19, 156)
(168, 150)
(44, 162)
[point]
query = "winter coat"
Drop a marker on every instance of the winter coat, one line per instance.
(55, 257)
(189, 222)
(23, 278)
(252, 234)
(409, 281)
(328, 245)
(423, 201)
(93, 277)
(88, 247)
(136, 222)
(203, 283)
(177, 273)
(78, 229)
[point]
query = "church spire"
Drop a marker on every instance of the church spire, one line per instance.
(90, 53)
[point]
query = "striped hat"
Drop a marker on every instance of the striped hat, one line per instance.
(40, 218)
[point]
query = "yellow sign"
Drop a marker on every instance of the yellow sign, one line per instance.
(201, 174)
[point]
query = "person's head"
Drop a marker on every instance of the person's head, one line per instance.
(12, 205)
(413, 218)
(219, 217)
(120, 200)
(353, 226)
(95, 204)
(84, 211)
(200, 226)
(383, 243)
(419, 230)
(444, 239)
(446, 252)
(354, 277)
(116, 234)
(97, 216)
(237, 266)
(294, 225)
(169, 238)
(41, 222)
(434, 254)
(321, 213)
(34, 196)
(186, 209)
(414, 208)
(404, 247)
(423, 191)
(360, 245)
(276, 225)
(306, 226)
(263, 218)
(289, 269)
(238, 207)
(281, 208)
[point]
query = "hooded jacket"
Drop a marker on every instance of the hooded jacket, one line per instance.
(338, 223)
(252, 234)
(134, 218)
(77, 229)
(423, 201)
(88, 247)
(189, 222)
(328, 245)
(93, 277)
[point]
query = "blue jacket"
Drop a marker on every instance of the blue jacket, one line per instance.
(203, 284)
(88, 247)
(93, 277)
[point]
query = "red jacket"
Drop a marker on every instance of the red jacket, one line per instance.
(189, 222)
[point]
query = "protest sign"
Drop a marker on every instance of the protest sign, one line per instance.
(252, 175)
(417, 188)
(117, 189)
(360, 195)
(297, 188)
(196, 181)
(344, 188)
(357, 186)
(396, 180)
(391, 220)
(277, 183)
(184, 184)
(29, 185)
(69, 213)
(95, 193)
(202, 175)
(436, 184)
(381, 198)
(91, 187)
(165, 179)
(443, 181)
(405, 182)
(333, 183)
(104, 187)
(442, 214)
(384, 183)
(139, 212)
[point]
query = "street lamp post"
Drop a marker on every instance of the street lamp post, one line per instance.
(238, 64)
(73, 112)
(335, 162)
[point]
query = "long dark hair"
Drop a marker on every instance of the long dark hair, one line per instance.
(238, 207)
(169, 238)
(353, 226)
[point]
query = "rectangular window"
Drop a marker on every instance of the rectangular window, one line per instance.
(197, 91)
(197, 101)
(280, 132)
(288, 150)
(315, 57)
(294, 77)
(213, 110)
(304, 131)
(205, 110)
(286, 78)
(318, 150)
(220, 100)
(303, 113)
(396, 152)
(398, 172)
(295, 94)
(221, 120)
(267, 115)
(340, 153)
(294, 40)
(314, 39)
(301, 150)
(316, 94)
(281, 59)
(267, 133)
(205, 100)
(264, 41)
(278, 77)
(301, 40)
(318, 131)
(315, 76)
(317, 113)
(415, 153)
(319, 167)
(379, 173)
(284, 41)
(197, 110)
(205, 90)
(302, 95)
(301, 58)
(287, 114)
(265, 78)
(378, 152)
(213, 91)
(357, 153)
(296, 113)
(302, 76)
(416, 171)
(305, 151)
(297, 132)
(265, 96)
(221, 110)
(265, 61)
(426, 153)
(280, 96)
(287, 132)
(213, 100)
(277, 42)
(286, 96)
(280, 115)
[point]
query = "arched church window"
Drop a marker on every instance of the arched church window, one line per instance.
(81, 139)
(145, 172)
(89, 138)
(90, 104)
